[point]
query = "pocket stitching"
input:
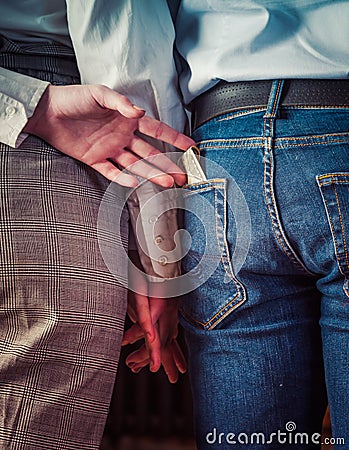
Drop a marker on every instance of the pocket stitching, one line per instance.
(342, 227)
(227, 306)
(332, 182)
(217, 184)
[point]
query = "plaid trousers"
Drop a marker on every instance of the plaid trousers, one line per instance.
(61, 310)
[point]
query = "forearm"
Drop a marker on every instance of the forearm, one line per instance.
(154, 221)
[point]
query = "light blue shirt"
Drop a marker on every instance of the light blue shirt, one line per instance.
(124, 44)
(127, 44)
(33, 21)
(239, 40)
(120, 43)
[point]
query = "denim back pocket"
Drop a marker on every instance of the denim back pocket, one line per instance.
(334, 188)
(216, 291)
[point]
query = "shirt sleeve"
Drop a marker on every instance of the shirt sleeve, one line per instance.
(153, 215)
(19, 96)
(131, 50)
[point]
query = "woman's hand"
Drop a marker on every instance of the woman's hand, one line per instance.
(156, 321)
(98, 126)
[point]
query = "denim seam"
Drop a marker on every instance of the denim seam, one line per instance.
(202, 185)
(222, 242)
(224, 251)
(334, 234)
(275, 103)
(240, 114)
(275, 220)
(315, 106)
(260, 138)
(269, 193)
(342, 226)
(209, 325)
(229, 145)
(245, 111)
(308, 144)
(279, 142)
(240, 296)
(344, 135)
(337, 174)
(278, 146)
(230, 310)
(336, 246)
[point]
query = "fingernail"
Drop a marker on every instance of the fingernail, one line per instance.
(168, 182)
(138, 108)
(136, 370)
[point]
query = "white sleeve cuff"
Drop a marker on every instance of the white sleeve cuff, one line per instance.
(19, 96)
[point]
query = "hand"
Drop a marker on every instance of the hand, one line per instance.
(163, 348)
(98, 126)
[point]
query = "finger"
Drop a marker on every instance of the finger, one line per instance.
(161, 131)
(132, 335)
(154, 350)
(138, 367)
(158, 307)
(178, 356)
(137, 357)
(169, 365)
(107, 98)
(157, 158)
(143, 316)
(166, 312)
(141, 358)
(139, 330)
(131, 313)
(112, 173)
(139, 167)
(150, 332)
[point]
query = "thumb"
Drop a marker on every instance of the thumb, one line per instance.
(108, 98)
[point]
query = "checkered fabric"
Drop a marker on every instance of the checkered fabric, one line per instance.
(52, 58)
(61, 310)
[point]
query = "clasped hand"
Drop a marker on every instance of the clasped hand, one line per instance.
(99, 127)
(155, 320)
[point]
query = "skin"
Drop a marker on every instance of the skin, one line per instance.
(161, 348)
(100, 127)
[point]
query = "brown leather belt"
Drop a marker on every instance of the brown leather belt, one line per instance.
(225, 97)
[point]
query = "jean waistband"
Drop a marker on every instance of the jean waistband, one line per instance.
(225, 97)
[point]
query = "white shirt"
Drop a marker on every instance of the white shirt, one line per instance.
(240, 40)
(120, 44)
(19, 96)
(34, 21)
(117, 43)
(128, 46)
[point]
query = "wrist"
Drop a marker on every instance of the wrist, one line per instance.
(37, 120)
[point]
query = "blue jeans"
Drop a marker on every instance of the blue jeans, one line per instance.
(268, 333)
